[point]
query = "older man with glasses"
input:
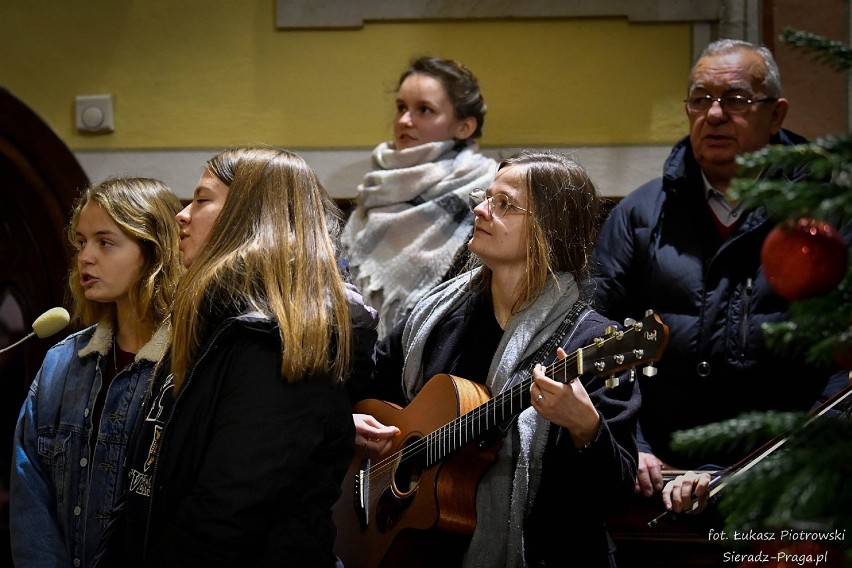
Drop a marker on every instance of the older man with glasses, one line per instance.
(680, 245)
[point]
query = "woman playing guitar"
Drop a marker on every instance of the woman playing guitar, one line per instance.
(562, 452)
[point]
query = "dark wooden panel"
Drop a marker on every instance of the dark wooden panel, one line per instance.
(39, 178)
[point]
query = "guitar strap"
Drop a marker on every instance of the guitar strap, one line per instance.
(541, 354)
(550, 346)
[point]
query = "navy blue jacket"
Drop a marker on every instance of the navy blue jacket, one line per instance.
(659, 249)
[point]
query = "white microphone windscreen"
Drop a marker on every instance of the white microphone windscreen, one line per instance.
(51, 322)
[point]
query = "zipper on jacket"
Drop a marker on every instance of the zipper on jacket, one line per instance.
(746, 307)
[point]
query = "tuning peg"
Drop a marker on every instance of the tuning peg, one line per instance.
(629, 322)
(649, 371)
(649, 312)
(612, 382)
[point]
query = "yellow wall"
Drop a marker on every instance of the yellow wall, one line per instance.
(209, 74)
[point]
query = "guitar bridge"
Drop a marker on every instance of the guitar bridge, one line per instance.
(361, 496)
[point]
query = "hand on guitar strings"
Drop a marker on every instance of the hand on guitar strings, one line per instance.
(372, 438)
(565, 404)
(687, 492)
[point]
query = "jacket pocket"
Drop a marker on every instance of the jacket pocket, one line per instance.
(53, 450)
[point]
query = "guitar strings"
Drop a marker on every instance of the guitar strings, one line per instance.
(446, 432)
(443, 434)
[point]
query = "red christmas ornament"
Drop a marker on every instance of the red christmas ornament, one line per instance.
(803, 258)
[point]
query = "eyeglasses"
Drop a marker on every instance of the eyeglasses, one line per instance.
(498, 204)
(734, 104)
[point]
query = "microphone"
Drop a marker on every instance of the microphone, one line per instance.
(45, 325)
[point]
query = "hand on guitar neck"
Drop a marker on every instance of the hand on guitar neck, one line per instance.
(565, 404)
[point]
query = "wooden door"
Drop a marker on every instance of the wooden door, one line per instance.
(39, 179)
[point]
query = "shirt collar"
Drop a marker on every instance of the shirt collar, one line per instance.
(725, 212)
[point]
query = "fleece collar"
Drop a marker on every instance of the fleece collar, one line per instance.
(102, 340)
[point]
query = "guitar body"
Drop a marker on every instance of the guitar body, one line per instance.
(401, 493)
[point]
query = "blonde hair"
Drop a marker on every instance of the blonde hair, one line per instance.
(269, 250)
(144, 209)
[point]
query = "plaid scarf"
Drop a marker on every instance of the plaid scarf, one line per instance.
(411, 222)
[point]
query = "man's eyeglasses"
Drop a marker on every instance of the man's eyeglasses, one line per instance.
(498, 204)
(734, 104)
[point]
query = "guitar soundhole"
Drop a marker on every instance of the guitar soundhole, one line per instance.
(395, 501)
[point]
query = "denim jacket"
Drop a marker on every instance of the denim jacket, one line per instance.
(62, 489)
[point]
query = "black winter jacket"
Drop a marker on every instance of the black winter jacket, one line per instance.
(248, 467)
(660, 250)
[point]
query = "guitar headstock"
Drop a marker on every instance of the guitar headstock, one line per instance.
(639, 343)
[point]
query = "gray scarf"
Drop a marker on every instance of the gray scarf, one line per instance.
(508, 488)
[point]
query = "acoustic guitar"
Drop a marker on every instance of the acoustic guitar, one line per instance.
(448, 439)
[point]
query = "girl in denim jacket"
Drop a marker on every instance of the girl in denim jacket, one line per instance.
(72, 432)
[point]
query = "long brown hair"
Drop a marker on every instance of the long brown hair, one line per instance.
(145, 210)
(269, 250)
(563, 224)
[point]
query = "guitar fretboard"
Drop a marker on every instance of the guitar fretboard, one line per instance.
(507, 404)
(617, 351)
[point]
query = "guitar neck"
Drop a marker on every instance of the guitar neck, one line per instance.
(642, 342)
(482, 419)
